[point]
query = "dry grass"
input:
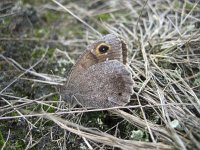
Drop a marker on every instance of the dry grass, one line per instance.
(163, 39)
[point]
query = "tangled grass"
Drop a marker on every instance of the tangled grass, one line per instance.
(164, 56)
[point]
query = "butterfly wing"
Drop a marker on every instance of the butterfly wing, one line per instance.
(106, 84)
(91, 56)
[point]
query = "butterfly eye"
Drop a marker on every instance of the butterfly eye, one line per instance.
(103, 48)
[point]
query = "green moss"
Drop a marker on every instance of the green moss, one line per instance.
(55, 97)
(40, 32)
(2, 141)
(38, 53)
(14, 113)
(5, 26)
(35, 2)
(20, 144)
(17, 133)
(50, 17)
(50, 52)
(177, 4)
(104, 17)
(48, 109)
(102, 30)
(190, 6)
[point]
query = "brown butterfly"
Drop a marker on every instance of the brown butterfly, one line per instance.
(100, 77)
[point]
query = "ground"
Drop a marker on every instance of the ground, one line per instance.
(41, 40)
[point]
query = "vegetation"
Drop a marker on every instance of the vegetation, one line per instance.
(39, 43)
